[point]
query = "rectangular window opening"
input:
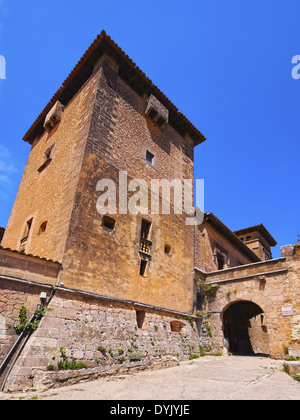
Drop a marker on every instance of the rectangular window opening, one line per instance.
(140, 318)
(143, 267)
(23, 242)
(149, 157)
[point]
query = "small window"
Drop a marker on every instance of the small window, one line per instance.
(143, 267)
(167, 249)
(47, 158)
(108, 222)
(24, 240)
(43, 227)
(248, 238)
(221, 261)
(149, 157)
(140, 318)
(145, 231)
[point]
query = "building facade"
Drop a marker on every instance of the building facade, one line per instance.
(121, 281)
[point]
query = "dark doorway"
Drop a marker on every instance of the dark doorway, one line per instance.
(245, 330)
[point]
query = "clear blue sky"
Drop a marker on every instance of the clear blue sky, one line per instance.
(225, 64)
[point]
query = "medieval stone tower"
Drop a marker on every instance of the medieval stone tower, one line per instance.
(106, 118)
(135, 270)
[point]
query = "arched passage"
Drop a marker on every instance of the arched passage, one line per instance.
(245, 330)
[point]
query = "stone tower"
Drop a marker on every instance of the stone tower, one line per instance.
(107, 118)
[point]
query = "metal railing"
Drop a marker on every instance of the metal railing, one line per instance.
(145, 246)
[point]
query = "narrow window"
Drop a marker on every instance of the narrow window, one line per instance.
(145, 235)
(221, 262)
(108, 222)
(248, 238)
(149, 157)
(167, 249)
(43, 227)
(47, 158)
(145, 231)
(143, 267)
(24, 240)
(140, 318)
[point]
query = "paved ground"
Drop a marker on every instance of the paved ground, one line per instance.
(208, 378)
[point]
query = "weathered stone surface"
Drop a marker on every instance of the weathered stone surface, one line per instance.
(293, 368)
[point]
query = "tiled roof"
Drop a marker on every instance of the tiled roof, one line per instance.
(261, 229)
(28, 255)
(128, 71)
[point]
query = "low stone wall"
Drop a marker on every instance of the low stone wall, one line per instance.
(44, 380)
(103, 333)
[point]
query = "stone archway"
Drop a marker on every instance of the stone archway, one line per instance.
(245, 330)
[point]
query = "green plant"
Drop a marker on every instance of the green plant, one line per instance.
(50, 367)
(208, 328)
(217, 354)
(190, 319)
(194, 356)
(207, 290)
(202, 350)
(296, 377)
(64, 364)
(135, 356)
(293, 359)
(102, 350)
(26, 325)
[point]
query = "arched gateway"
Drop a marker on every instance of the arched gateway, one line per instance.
(245, 330)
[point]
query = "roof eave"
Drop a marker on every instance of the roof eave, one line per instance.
(83, 71)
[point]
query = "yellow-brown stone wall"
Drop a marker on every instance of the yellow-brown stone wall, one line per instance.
(109, 262)
(49, 195)
(272, 285)
(206, 239)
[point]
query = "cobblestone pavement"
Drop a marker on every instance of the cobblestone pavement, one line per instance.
(208, 378)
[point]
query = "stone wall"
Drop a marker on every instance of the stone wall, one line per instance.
(103, 333)
(22, 279)
(272, 285)
(207, 238)
(14, 294)
(49, 195)
(108, 262)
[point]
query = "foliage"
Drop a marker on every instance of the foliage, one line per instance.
(135, 356)
(298, 240)
(27, 326)
(194, 356)
(202, 350)
(207, 290)
(65, 364)
(102, 350)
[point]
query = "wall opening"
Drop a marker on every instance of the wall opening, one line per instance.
(177, 326)
(143, 267)
(245, 329)
(140, 318)
(108, 223)
(43, 227)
